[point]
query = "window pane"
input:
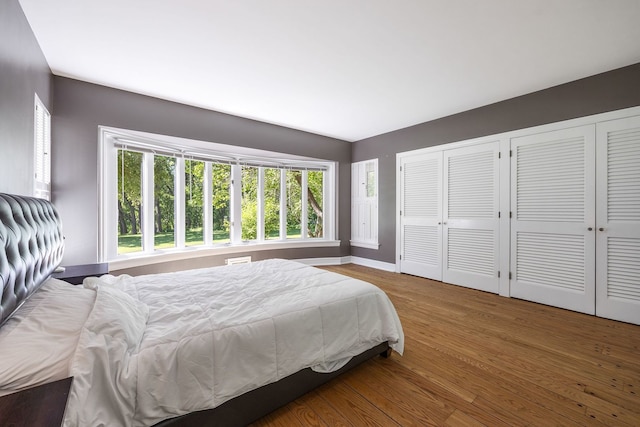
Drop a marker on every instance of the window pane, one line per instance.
(314, 203)
(249, 202)
(221, 181)
(272, 203)
(164, 169)
(371, 179)
(294, 204)
(129, 201)
(194, 197)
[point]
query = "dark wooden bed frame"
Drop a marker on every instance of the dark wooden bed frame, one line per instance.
(257, 403)
(32, 246)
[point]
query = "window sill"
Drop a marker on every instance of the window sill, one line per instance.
(368, 245)
(166, 255)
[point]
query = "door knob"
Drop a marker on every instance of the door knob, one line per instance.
(590, 228)
(601, 229)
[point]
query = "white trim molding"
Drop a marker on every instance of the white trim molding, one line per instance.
(366, 262)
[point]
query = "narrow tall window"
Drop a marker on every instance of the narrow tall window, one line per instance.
(42, 150)
(249, 203)
(164, 169)
(294, 204)
(364, 204)
(194, 202)
(221, 218)
(272, 203)
(129, 190)
(315, 203)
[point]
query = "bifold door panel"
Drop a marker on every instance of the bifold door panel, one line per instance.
(553, 218)
(618, 220)
(421, 216)
(470, 217)
(449, 216)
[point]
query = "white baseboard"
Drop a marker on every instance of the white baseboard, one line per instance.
(386, 266)
(325, 261)
(380, 265)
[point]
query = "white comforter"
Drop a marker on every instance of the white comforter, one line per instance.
(158, 346)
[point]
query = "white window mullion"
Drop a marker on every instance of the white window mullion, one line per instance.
(207, 194)
(305, 207)
(108, 190)
(325, 212)
(148, 230)
(179, 204)
(329, 210)
(236, 204)
(260, 213)
(283, 204)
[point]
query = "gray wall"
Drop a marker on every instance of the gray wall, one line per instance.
(23, 72)
(81, 107)
(609, 91)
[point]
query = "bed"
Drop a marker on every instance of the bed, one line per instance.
(215, 346)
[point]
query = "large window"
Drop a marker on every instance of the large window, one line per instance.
(161, 197)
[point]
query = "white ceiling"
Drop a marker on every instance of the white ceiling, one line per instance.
(349, 69)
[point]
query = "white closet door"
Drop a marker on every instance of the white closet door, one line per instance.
(618, 220)
(470, 217)
(553, 218)
(421, 213)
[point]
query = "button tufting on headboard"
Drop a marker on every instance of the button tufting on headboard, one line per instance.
(31, 247)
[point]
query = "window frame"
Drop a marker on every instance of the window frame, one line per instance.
(112, 139)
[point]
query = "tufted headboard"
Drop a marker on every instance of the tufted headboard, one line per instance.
(31, 247)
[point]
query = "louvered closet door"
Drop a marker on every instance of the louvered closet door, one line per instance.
(471, 203)
(421, 213)
(553, 207)
(618, 220)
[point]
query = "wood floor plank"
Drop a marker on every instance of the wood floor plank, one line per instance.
(498, 385)
(306, 415)
(354, 407)
(324, 410)
(474, 358)
(460, 419)
(402, 401)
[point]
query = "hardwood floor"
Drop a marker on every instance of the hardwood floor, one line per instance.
(478, 359)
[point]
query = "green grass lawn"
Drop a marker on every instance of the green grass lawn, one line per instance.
(133, 242)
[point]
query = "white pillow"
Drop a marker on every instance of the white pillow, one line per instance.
(37, 343)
